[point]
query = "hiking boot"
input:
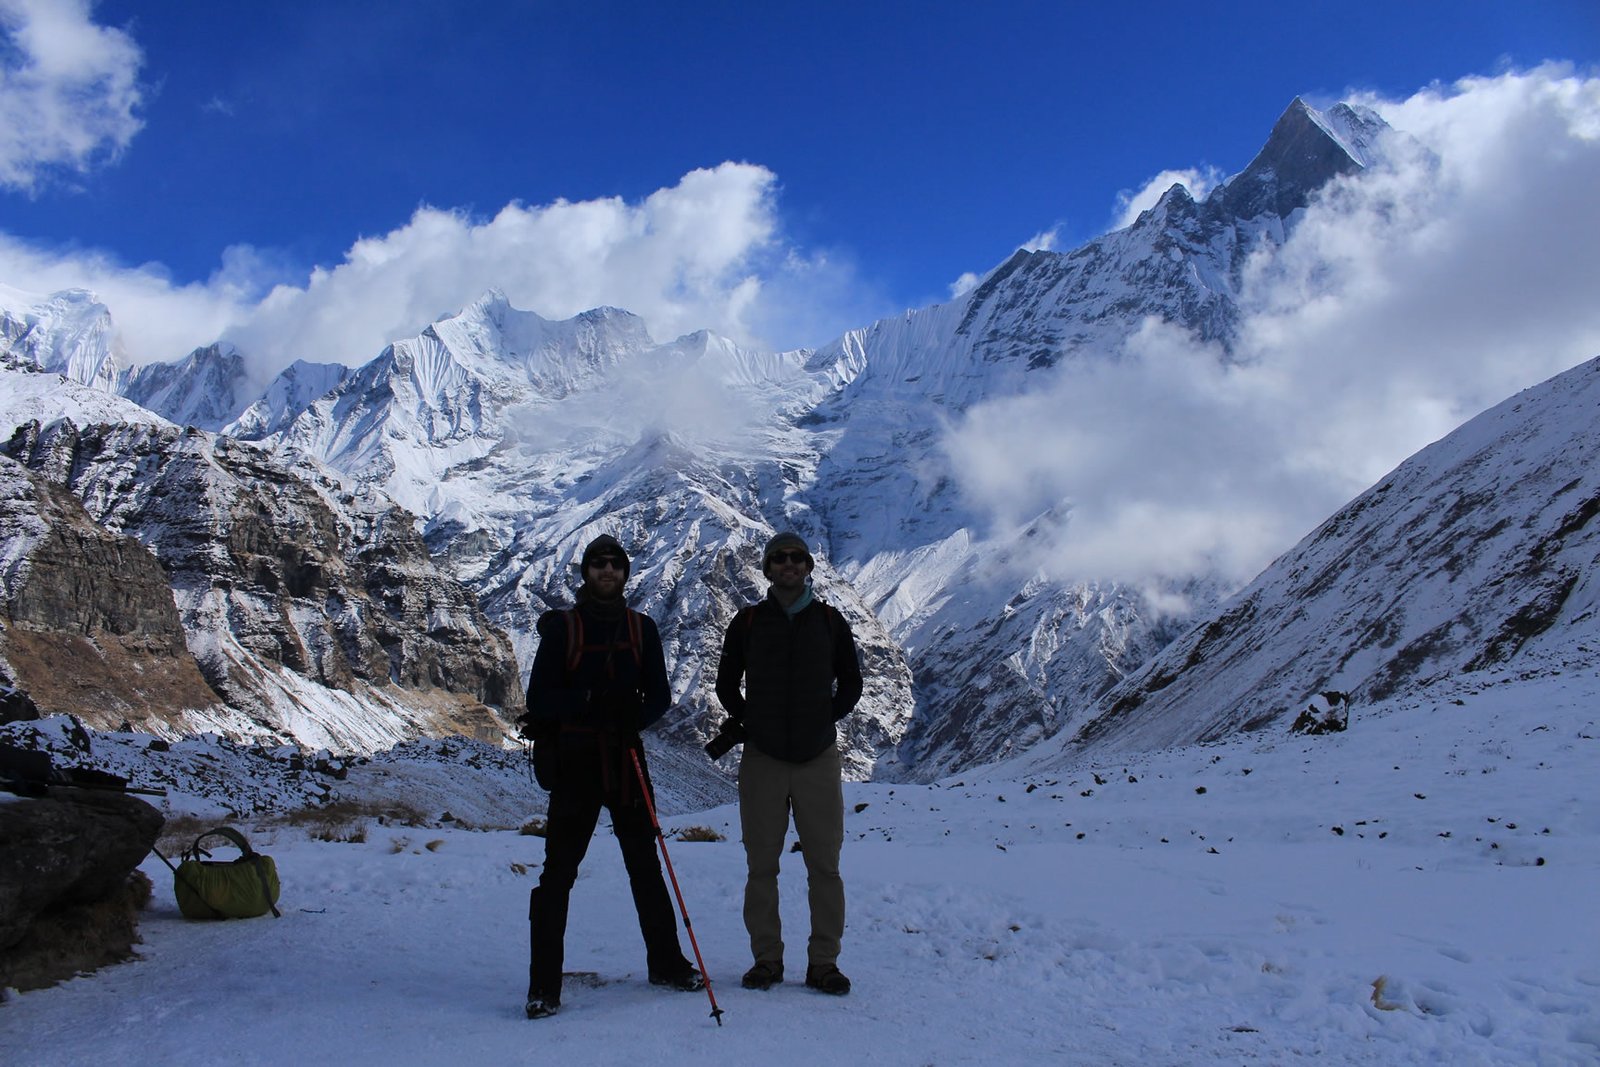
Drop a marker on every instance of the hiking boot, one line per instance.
(827, 978)
(542, 1007)
(687, 980)
(764, 975)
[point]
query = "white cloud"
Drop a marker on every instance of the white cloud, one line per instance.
(1042, 242)
(1130, 202)
(156, 319)
(68, 90)
(688, 257)
(964, 285)
(705, 253)
(1407, 300)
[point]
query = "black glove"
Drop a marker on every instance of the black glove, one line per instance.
(732, 733)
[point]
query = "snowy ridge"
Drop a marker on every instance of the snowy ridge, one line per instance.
(204, 389)
(27, 396)
(290, 393)
(1479, 551)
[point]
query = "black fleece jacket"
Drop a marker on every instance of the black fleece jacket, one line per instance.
(800, 675)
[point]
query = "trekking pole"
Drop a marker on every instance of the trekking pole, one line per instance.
(644, 787)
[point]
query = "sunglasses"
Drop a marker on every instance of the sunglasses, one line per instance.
(600, 563)
(789, 557)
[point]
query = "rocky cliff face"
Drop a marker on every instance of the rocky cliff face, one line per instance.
(301, 602)
(90, 627)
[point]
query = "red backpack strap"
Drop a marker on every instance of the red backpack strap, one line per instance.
(636, 637)
(576, 647)
(574, 639)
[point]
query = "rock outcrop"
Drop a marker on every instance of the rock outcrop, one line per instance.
(70, 891)
(88, 625)
(312, 613)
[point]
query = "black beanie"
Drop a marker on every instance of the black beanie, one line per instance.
(779, 542)
(606, 545)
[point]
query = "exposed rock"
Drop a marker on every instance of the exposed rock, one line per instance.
(88, 625)
(286, 585)
(1327, 713)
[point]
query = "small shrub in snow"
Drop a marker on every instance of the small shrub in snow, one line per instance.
(699, 833)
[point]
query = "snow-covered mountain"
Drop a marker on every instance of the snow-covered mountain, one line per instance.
(1000, 658)
(69, 333)
(304, 609)
(295, 388)
(1480, 550)
(514, 440)
(519, 439)
(207, 388)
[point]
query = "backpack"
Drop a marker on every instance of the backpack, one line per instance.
(546, 755)
(216, 889)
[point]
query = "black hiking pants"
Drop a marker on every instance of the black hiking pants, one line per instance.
(587, 782)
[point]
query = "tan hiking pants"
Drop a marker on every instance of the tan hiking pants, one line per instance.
(768, 790)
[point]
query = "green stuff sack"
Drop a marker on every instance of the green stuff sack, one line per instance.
(226, 889)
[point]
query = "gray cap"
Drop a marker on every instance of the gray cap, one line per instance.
(779, 542)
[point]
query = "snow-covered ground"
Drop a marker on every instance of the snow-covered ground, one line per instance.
(1419, 889)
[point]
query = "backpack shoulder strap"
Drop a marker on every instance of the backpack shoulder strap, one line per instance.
(576, 647)
(636, 637)
(574, 639)
(834, 616)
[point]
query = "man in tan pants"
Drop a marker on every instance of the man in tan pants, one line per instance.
(796, 658)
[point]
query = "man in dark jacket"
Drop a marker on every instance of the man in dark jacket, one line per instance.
(599, 677)
(797, 660)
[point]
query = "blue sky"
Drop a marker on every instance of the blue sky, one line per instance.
(895, 147)
(315, 180)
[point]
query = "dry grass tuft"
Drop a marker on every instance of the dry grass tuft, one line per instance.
(349, 821)
(77, 938)
(179, 832)
(698, 833)
(534, 827)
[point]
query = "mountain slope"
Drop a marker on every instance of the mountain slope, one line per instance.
(514, 439)
(1481, 548)
(1001, 658)
(314, 612)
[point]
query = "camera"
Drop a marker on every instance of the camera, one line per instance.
(732, 733)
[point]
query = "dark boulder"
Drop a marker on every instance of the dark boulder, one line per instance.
(70, 890)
